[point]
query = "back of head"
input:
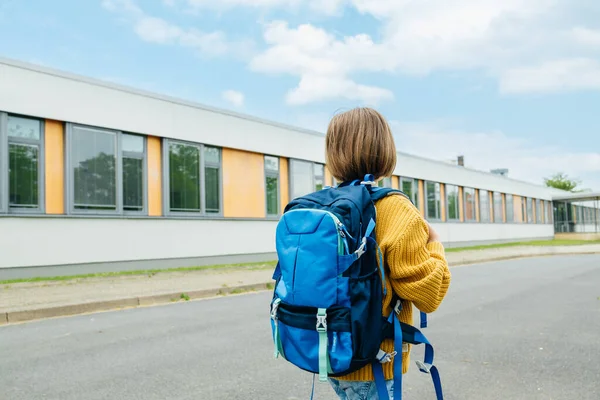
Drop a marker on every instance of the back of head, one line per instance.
(359, 142)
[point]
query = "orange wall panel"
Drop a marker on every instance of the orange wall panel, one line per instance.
(154, 150)
(504, 207)
(443, 201)
(518, 208)
(54, 141)
(284, 182)
(243, 184)
(328, 177)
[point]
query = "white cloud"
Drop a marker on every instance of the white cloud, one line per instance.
(157, 30)
(553, 76)
(322, 62)
(242, 3)
(525, 159)
(319, 88)
(495, 37)
(587, 36)
(327, 7)
(234, 97)
(509, 40)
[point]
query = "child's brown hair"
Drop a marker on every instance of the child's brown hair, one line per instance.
(359, 142)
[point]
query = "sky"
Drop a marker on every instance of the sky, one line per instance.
(508, 84)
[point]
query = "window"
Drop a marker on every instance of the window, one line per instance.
(510, 211)
(106, 170)
(410, 187)
(524, 209)
(484, 206)
(319, 176)
(385, 182)
(133, 172)
(549, 212)
(432, 194)
(21, 157)
(498, 216)
(529, 210)
(539, 216)
(194, 178)
(469, 200)
(305, 177)
(212, 179)
(452, 202)
(272, 184)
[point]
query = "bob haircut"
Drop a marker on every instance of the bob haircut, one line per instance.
(359, 142)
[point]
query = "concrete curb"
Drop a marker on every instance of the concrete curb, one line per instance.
(131, 302)
(165, 298)
(460, 263)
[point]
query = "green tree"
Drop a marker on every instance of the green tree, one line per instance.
(562, 181)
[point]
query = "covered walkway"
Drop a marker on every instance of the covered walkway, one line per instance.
(577, 213)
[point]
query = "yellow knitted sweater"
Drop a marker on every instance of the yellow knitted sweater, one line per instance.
(415, 269)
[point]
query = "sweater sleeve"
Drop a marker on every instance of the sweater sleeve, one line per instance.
(418, 270)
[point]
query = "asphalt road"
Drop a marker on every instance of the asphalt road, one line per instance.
(527, 329)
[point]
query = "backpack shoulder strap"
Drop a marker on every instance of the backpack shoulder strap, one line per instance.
(378, 193)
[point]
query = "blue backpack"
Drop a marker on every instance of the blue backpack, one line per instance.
(326, 312)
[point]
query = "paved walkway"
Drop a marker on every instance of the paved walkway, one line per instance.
(26, 301)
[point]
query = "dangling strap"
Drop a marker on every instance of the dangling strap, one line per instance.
(398, 361)
(276, 336)
(323, 344)
(427, 366)
(423, 320)
(380, 381)
(363, 244)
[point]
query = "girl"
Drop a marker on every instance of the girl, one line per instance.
(360, 142)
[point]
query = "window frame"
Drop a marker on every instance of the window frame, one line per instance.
(313, 176)
(529, 208)
(447, 200)
(382, 182)
(4, 184)
(318, 176)
(511, 208)
(499, 207)
(474, 196)
(70, 177)
(415, 190)
(166, 184)
(438, 204)
(489, 208)
(5, 142)
(129, 154)
(549, 212)
(272, 174)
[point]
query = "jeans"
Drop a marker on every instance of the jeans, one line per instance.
(359, 390)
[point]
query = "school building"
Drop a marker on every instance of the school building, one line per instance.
(96, 176)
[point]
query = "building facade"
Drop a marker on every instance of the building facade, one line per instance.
(92, 173)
